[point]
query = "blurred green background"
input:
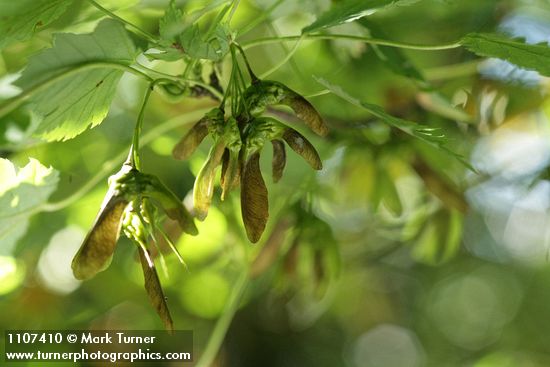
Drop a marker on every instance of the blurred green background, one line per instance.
(394, 254)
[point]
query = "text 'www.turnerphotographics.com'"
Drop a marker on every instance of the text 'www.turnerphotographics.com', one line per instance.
(97, 345)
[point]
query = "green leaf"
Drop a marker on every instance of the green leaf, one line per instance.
(534, 57)
(73, 103)
(22, 191)
(429, 135)
(20, 19)
(180, 36)
(171, 25)
(199, 46)
(348, 11)
(392, 57)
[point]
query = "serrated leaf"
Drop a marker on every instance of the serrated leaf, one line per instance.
(348, 11)
(199, 46)
(72, 104)
(22, 190)
(170, 27)
(429, 135)
(20, 19)
(174, 30)
(534, 57)
(392, 57)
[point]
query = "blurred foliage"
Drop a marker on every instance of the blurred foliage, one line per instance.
(395, 253)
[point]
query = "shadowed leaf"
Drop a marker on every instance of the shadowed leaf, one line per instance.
(254, 201)
(430, 135)
(279, 160)
(96, 252)
(303, 147)
(154, 289)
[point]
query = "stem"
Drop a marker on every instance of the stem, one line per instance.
(137, 29)
(16, 101)
(134, 149)
(179, 78)
(218, 335)
(283, 61)
(253, 76)
(374, 41)
(453, 71)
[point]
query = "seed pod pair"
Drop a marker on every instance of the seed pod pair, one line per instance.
(126, 208)
(125, 187)
(254, 195)
(263, 93)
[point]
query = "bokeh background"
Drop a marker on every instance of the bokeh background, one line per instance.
(394, 254)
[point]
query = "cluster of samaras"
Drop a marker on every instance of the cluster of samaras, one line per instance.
(238, 141)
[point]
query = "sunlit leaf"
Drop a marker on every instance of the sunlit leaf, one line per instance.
(534, 57)
(22, 191)
(350, 10)
(20, 19)
(70, 105)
